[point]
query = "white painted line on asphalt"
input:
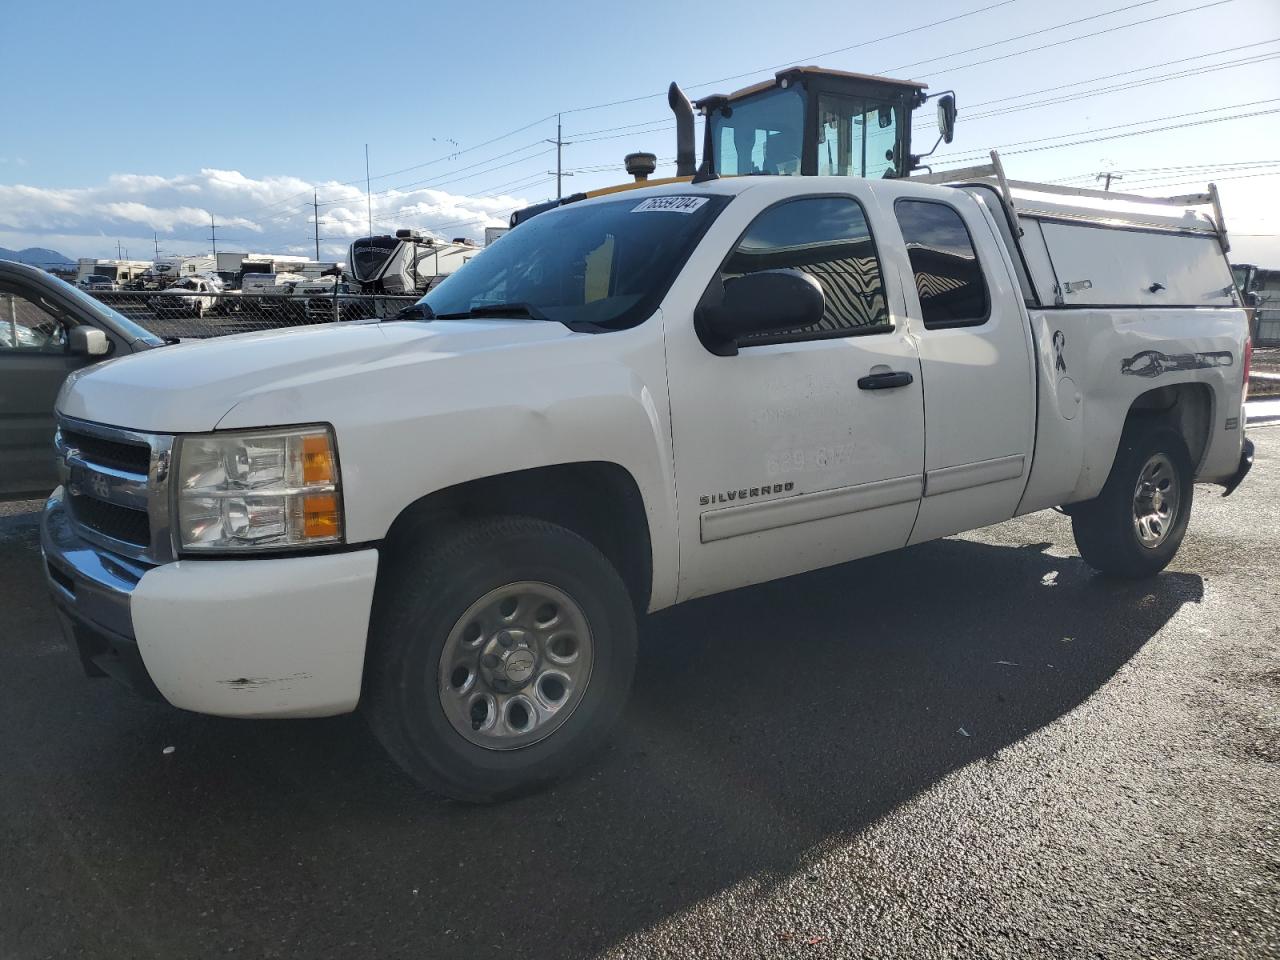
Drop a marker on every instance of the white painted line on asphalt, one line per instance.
(1262, 411)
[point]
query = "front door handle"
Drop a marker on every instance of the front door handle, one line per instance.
(885, 381)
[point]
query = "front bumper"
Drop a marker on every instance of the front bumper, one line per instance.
(1246, 464)
(262, 637)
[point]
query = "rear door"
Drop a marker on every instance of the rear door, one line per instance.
(975, 357)
(34, 360)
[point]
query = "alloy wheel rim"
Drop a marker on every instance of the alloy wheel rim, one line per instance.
(515, 665)
(1156, 499)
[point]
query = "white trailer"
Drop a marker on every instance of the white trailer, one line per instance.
(119, 271)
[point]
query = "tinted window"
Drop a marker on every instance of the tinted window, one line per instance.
(948, 275)
(827, 238)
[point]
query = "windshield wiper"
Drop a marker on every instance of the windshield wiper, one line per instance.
(418, 311)
(516, 309)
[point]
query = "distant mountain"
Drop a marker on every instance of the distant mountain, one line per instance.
(38, 256)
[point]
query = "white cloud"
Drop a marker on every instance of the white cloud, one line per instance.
(268, 214)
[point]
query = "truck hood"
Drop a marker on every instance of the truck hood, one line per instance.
(191, 386)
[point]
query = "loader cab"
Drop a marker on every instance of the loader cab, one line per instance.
(808, 121)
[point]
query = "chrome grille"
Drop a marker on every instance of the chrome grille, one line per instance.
(117, 487)
(111, 520)
(132, 457)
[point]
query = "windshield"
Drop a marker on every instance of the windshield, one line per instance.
(763, 134)
(606, 265)
(184, 285)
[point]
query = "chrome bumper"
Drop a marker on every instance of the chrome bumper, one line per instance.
(91, 589)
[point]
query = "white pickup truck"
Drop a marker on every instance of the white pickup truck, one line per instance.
(453, 522)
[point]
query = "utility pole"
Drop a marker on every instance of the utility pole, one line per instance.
(315, 205)
(157, 239)
(368, 190)
(1108, 177)
(560, 145)
(119, 255)
(213, 235)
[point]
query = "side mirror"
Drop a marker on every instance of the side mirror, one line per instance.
(1250, 299)
(947, 116)
(88, 341)
(771, 301)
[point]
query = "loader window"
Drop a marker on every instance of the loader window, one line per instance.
(762, 135)
(827, 238)
(953, 292)
(856, 137)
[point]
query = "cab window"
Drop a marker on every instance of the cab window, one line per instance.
(856, 137)
(28, 327)
(828, 239)
(761, 135)
(949, 280)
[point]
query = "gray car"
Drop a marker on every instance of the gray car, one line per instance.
(48, 328)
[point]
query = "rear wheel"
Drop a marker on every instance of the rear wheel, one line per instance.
(1136, 524)
(501, 657)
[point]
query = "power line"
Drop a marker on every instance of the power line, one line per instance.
(1059, 43)
(1176, 116)
(855, 46)
(1122, 73)
(1115, 88)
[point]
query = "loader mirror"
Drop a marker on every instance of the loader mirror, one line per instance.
(947, 116)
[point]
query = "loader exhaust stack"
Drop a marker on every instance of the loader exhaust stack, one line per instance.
(686, 162)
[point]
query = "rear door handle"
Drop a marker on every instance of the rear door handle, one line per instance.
(885, 381)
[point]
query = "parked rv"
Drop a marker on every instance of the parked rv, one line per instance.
(407, 263)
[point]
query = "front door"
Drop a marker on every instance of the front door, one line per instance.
(34, 360)
(798, 452)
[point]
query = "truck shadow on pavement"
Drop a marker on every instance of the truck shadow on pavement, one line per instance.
(763, 723)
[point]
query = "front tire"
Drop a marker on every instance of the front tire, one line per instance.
(501, 656)
(1134, 527)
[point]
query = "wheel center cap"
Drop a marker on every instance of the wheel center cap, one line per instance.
(1157, 501)
(510, 659)
(518, 664)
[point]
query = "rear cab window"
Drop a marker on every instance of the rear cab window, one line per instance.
(948, 275)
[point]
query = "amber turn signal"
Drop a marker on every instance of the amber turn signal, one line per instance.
(317, 460)
(320, 518)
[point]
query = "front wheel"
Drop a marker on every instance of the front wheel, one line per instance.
(501, 657)
(1136, 524)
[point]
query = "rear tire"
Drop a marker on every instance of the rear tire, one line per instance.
(449, 621)
(1134, 527)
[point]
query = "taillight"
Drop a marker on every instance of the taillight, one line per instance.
(1248, 361)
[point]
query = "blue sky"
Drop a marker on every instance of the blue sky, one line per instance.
(137, 119)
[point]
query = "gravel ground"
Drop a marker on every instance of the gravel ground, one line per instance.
(969, 748)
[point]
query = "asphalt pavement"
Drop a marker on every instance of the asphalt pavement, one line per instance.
(975, 747)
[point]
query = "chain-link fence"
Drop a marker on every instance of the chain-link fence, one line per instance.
(1267, 322)
(168, 313)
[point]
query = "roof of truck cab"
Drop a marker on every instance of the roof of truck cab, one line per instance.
(823, 71)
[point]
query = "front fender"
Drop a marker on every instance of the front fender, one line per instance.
(406, 431)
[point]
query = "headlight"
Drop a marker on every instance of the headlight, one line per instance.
(275, 489)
